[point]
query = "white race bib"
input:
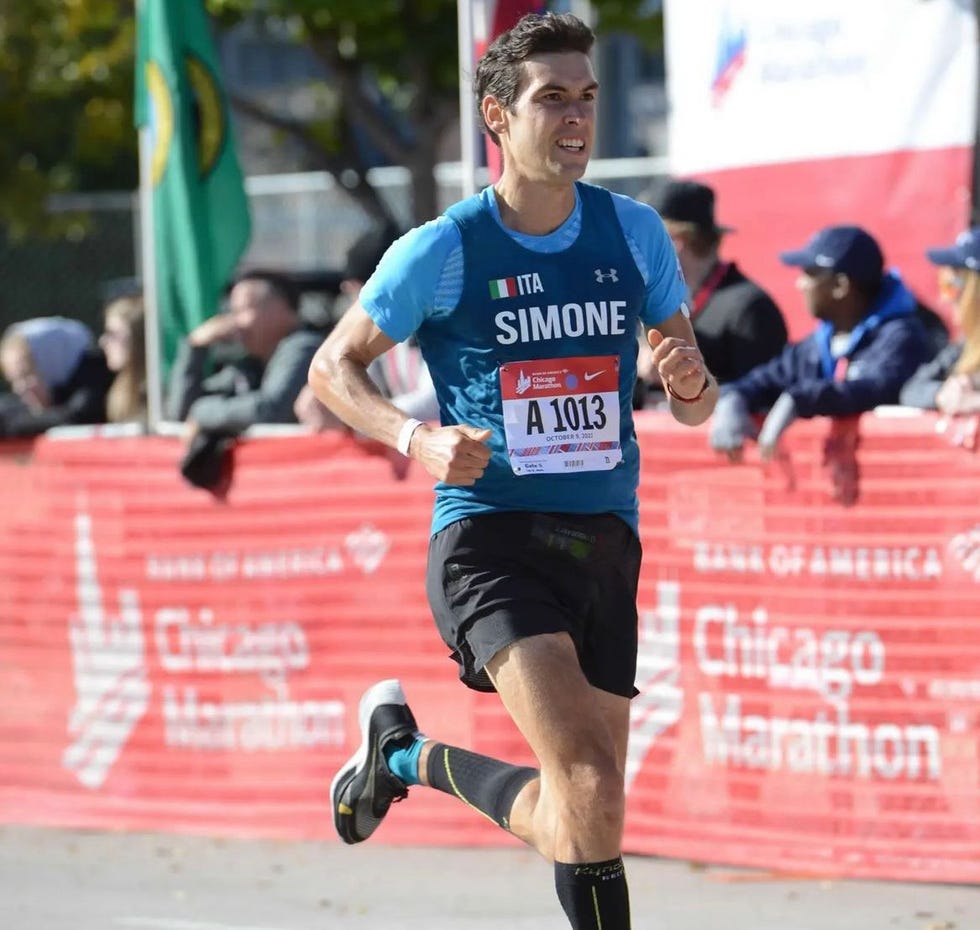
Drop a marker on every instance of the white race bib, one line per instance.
(561, 414)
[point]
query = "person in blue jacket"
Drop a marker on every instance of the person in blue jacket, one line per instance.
(868, 342)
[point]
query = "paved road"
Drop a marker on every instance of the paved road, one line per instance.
(66, 880)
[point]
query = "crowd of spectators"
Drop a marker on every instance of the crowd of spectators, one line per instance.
(874, 343)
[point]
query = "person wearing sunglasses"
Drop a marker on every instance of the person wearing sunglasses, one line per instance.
(950, 383)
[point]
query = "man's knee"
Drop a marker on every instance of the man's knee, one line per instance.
(590, 784)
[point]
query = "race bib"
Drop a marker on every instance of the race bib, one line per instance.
(561, 414)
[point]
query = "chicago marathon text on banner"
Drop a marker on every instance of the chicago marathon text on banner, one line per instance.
(808, 675)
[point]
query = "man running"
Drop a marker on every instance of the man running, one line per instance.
(525, 301)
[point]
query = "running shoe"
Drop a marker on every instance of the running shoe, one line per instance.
(364, 788)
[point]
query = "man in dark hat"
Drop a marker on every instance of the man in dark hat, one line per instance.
(737, 324)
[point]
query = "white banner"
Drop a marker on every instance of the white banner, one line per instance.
(755, 82)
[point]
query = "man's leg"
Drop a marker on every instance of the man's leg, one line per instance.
(573, 812)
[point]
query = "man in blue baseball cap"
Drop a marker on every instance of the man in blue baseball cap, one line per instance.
(845, 250)
(868, 342)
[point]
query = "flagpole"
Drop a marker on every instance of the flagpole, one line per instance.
(148, 273)
(467, 132)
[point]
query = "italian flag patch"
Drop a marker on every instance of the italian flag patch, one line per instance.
(503, 287)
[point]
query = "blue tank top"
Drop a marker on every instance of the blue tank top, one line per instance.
(519, 305)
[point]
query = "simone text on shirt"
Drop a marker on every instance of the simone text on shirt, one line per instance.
(535, 324)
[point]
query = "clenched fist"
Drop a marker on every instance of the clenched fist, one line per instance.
(452, 454)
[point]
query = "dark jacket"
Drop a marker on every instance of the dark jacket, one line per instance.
(921, 389)
(80, 400)
(883, 351)
(243, 393)
(739, 327)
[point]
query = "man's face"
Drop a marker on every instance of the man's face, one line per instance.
(19, 370)
(249, 305)
(817, 286)
(548, 133)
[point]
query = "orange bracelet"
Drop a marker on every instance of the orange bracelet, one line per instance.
(689, 400)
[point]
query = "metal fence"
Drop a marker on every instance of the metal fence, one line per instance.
(74, 274)
(301, 222)
(304, 221)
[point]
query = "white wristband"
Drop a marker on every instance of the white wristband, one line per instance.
(405, 434)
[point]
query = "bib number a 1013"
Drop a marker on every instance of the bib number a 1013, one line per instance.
(561, 415)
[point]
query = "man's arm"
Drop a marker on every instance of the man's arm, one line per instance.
(338, 375)
(921, 389)
(886, 364)
(271, 402)
(691, 388)
(187, 375)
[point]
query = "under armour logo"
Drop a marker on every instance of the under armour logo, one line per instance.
(603, 276)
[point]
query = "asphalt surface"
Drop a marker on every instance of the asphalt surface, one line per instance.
(71, 880)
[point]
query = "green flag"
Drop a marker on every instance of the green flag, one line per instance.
(201, 221)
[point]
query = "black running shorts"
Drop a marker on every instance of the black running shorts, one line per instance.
(497, 577)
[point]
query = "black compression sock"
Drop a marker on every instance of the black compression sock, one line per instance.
(487, 785)
(594, 894)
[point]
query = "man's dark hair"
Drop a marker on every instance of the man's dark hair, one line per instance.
(500, 73)
(279, 285)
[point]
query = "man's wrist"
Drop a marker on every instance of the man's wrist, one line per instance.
(405, 434)
(690, 400)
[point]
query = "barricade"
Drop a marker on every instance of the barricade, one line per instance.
(809, 664)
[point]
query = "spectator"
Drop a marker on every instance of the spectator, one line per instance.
(401, 374)
(737, 324)
(935, 327)
(868, 342)
(950, 383)
(57, 376)
(261, 387)
(359, 263)
(123, 342)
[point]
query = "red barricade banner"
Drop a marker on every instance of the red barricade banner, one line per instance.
(809, 668)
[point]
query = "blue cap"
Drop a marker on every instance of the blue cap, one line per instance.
(964, 253)
(847, 250)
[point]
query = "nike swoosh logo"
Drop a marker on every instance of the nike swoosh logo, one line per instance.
(589, 375)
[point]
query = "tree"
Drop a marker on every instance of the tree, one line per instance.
(388, 84)
(66, 90)
(408, 53)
